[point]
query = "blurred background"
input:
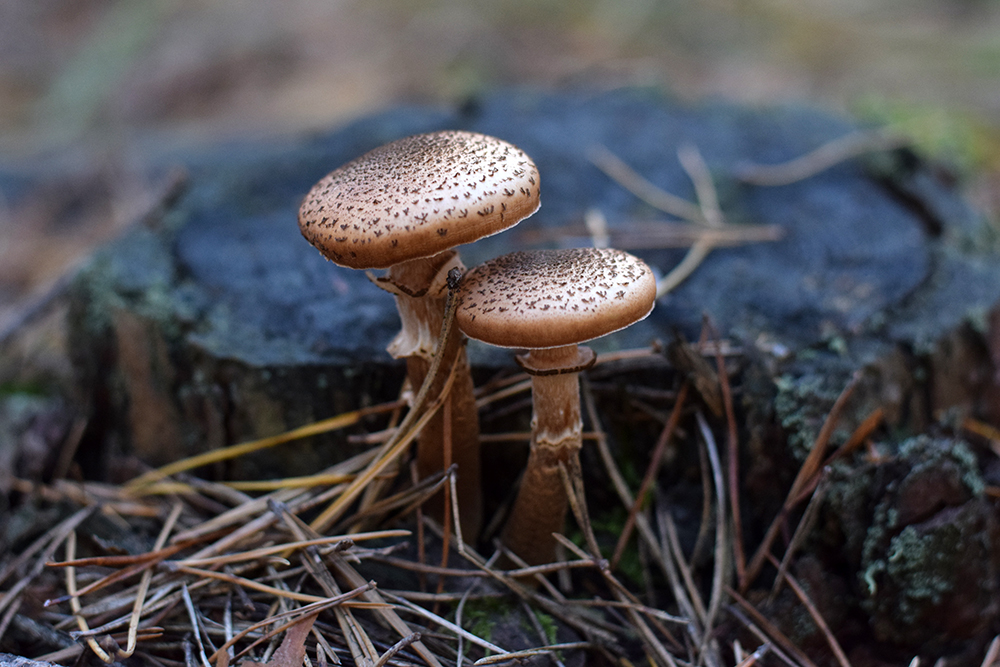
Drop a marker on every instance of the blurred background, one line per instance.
(90, 90)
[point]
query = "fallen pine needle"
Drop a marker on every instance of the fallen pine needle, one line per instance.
(815, 615)
(530, 652)
(235, 451)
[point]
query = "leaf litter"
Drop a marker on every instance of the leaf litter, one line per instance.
(220, 588)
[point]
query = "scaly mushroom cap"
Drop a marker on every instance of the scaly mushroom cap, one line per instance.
(417, 197)
(550, 298)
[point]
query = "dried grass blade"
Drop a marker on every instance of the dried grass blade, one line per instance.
(306, 481)
(47, 543)
(50, 539)
(761, 635)
(8, 617)
(449, 493)
(196, 628)
(653, 643)
(641, 608)
(74, 601)
(721, 543)
(660, 234)
(677, 570)
(407, 431)
(248, 583)
(238, 515)
(137, 560)
(617, 480)
(732, 459)
(531, 652)
(721, 539)
(572, 481)
(313, 608)
(262, 552)
(299, 528)
(360, 644)
(752, 659)
(390, 615)
(522, 386)
(396, 648)
(801, 531)
(651, 470)
(860, 434)
(234, 451)
(140, 598)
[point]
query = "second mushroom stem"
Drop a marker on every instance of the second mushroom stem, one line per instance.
(557, 436)
(464, 435)
(422, 316)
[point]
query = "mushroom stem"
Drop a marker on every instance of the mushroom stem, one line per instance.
(557, 436)
(422, 316)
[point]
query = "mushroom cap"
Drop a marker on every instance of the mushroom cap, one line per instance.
(550, 298)
(419, 196)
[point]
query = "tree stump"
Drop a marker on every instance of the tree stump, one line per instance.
(216, 322)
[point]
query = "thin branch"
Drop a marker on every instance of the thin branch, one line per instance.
(843, 148)
(629, 179)
(801, 532)
(732, 458)
(708, 199)
(140, 598)
(74, 601)
(651, 471)
(721, 543)
(772, 630)
(816, 616)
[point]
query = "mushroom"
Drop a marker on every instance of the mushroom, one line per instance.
(403, 207)
(548, 301)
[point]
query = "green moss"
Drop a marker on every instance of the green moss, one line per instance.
(927, 452)
(612, 522)
(907, 568)
(801, 406)
(968, 142)
(481, 616)
(26, 388)
(548, 624)
(920, 565)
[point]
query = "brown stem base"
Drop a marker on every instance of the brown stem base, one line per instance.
(556, 437)
(464, 440)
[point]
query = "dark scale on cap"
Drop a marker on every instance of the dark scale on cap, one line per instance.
(548, 298)
(468, 185)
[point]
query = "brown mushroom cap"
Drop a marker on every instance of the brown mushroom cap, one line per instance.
(417, 197)
(549, 298)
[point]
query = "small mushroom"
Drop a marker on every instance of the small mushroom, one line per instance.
(403, 207)
(549, 301)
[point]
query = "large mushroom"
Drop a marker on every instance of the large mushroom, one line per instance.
(403, 207)
(549, 301)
